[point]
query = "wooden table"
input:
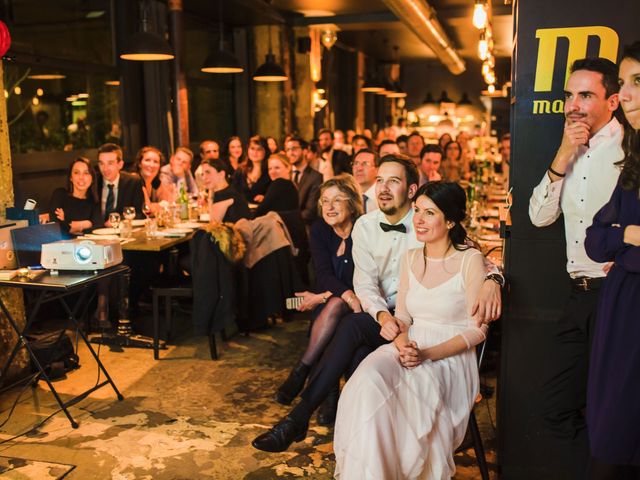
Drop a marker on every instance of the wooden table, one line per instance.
(158, 244)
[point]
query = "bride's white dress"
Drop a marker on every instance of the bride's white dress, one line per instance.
(398, 423)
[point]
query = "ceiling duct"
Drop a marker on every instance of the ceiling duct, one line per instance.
(421, 19)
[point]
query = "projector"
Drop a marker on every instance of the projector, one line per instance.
(81, 254)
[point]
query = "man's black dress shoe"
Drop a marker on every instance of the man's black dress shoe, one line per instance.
(280, 436)
(328, 409)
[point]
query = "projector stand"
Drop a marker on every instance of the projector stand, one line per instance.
(124, 337)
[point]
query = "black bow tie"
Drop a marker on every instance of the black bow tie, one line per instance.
(397, 228)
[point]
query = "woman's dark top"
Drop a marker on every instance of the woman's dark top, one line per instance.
(74, 209)
(250, 192)
(281, 196)
(333, 273)
(239, 209)
(613, 392)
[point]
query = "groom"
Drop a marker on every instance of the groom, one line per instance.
(380, 239)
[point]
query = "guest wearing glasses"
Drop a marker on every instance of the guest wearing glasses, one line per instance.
(76, 207)
(365, 169)
(340, 205)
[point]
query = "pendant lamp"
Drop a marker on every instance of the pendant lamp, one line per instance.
(221, 61)
(146, 46)
(270, 71)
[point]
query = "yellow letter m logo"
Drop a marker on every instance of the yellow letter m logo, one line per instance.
(578, 38)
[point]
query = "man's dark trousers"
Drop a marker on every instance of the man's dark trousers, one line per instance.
(564, 393)
(357, 335)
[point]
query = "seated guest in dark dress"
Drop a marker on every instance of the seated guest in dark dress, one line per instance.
(252, 179)
(282, 194)
(76, 207)
(340, 205)
(226, 204)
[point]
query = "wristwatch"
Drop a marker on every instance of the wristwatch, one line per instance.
(499, 279)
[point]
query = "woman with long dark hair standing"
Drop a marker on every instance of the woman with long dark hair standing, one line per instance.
(252, 178)
(613, 392)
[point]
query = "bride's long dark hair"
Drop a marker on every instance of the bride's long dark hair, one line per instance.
(630, 175)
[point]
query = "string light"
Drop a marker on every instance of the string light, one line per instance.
(483, 46)
(480, 15)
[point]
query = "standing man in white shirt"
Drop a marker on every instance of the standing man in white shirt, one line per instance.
(365, 170)
(578, 183)
(380, 239)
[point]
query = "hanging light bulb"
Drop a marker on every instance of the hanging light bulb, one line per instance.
(480, 14)
(491, 88)
(329, 38)
(39, 92)
(483, 46)
(35, 100)
(485, 68)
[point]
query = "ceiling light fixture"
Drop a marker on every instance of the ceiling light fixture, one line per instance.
(145, 46)
(221, 61)
(46, 76)
(270, 71)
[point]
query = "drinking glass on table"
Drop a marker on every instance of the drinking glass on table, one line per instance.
(114, 219)
(129, 213)
(146, 210)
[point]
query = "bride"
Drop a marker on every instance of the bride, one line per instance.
(405, 410)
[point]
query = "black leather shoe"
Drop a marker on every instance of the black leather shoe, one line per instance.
(327, 411)
(293, 384)
(280, 436)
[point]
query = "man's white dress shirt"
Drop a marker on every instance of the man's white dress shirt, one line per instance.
(586, 188)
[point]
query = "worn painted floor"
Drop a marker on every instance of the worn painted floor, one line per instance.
(183, 417)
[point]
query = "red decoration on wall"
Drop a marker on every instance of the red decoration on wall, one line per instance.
(5, 38)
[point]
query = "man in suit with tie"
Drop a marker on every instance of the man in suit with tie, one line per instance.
(365, 169)
(380, 239)
(305, 178)
(117, 189)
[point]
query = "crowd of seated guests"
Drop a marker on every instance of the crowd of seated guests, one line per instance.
(242, 181)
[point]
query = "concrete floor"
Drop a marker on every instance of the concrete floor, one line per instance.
(183, 417)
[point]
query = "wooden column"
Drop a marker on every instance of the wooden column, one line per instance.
(180, 107)
(11, 297)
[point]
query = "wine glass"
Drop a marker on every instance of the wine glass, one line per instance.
(146, 209)
(129, 213)
(114, 219)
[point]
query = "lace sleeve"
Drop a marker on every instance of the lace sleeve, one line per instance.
(473, 271)
(401, 300)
